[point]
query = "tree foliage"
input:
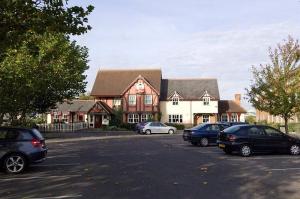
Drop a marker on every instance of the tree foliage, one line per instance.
(34, 80)
(39, 64)
(275, 87)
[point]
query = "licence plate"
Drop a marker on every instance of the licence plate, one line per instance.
(222, 145)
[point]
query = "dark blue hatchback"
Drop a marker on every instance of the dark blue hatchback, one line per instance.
(20, 147)
(204, 134)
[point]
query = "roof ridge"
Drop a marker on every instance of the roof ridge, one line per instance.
(129, 69)
(202, 78)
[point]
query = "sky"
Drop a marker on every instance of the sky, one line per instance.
(188, 38)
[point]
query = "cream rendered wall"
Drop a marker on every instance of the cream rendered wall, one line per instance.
(242, 117)
(187, 109)
(48, 118)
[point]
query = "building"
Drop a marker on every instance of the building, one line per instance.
(136, 92)
(231, 110)
(262, 116)
(189, 101)
(80, 111)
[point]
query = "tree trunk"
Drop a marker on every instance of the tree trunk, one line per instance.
(286, 125)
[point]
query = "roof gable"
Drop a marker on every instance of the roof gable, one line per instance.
(189, 89)
(140, 77)
(114, 82)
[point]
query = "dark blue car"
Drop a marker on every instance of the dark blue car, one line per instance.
(204, 134)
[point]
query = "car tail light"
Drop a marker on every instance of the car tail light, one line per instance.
(36, 143)
(231, 138)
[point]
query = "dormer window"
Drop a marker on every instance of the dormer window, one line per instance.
(206, 101)
(175, 100)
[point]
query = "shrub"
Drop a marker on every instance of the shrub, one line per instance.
(127, 126)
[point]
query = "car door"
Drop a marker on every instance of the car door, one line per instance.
(213, 132)
(3, 143)
(276, 140)
(163, 128)
(155, 127)
(257, 138)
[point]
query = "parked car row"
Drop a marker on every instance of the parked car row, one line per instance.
(242, 138)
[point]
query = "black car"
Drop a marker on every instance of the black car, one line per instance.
(20, 147)
(203, 134)
(249, 139)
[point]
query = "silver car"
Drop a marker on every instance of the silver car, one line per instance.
(158, 127)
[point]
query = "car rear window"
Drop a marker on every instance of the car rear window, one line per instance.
(37, 134)
(232, 129)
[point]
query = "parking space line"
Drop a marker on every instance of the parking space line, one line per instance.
(53, 165)
(61, 197)
(285, 169)
(38, 177)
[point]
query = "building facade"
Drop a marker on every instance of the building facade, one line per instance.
(231, 110)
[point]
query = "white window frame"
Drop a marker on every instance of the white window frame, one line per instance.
(205, 118)
(175, 101)
(133, 118)
(65, 118)
(148, 100)
(234, 117)
(132, 99)
(206, 101)
(223, 116)
(175, 118)
(146, 117)
(117, 102)
(55, 118)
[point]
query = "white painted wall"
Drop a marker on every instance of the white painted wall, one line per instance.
(187, 109)
(242, 117)
(48, 118)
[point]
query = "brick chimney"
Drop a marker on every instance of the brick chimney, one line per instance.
(237, 99)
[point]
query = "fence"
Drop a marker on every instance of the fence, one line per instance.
(63, 127)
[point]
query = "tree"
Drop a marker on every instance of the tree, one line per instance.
(19, 17)
(86, 96)
(275, 87)
(33, 80)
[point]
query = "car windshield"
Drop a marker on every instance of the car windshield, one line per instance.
(232, 129)
(198, 127)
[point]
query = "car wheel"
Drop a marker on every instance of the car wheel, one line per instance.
(227, 150)
(148, 132)
(295, 149)
(245, 151)
(204, 142)
(15, 163)
(171, 131)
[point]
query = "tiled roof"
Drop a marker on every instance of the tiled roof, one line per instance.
(114, 82)
(189, 89)
(230, 106)
(75, 106)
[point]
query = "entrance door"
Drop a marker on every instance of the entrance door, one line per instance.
(98, 121)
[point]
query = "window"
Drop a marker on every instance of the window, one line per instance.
(254, 131)
(233, 117)
(117, 102)
(175, 118)
(215, 127)
(133, 118)
(206, 101)
(175, 100)
(56, 118)
(146, 117)
(224, 117)
(148, 99)
(272, 132)
(91, 119)
(205, 118)
(132, 99)
(65, 118)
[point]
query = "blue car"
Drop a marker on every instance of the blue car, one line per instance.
(204, 134)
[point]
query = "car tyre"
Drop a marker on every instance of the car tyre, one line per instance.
(171, 131)
(204, 142)
(245, 150)
(227, 150)
(294, 149)
(148, 132)
(15, 163)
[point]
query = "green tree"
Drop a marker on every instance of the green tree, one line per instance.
(19, 17)
(86, 96)
(34, 80)
(275, 86)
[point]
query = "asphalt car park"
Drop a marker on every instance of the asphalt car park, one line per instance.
(162, 166)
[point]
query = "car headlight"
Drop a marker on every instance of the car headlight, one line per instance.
(193, 132)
